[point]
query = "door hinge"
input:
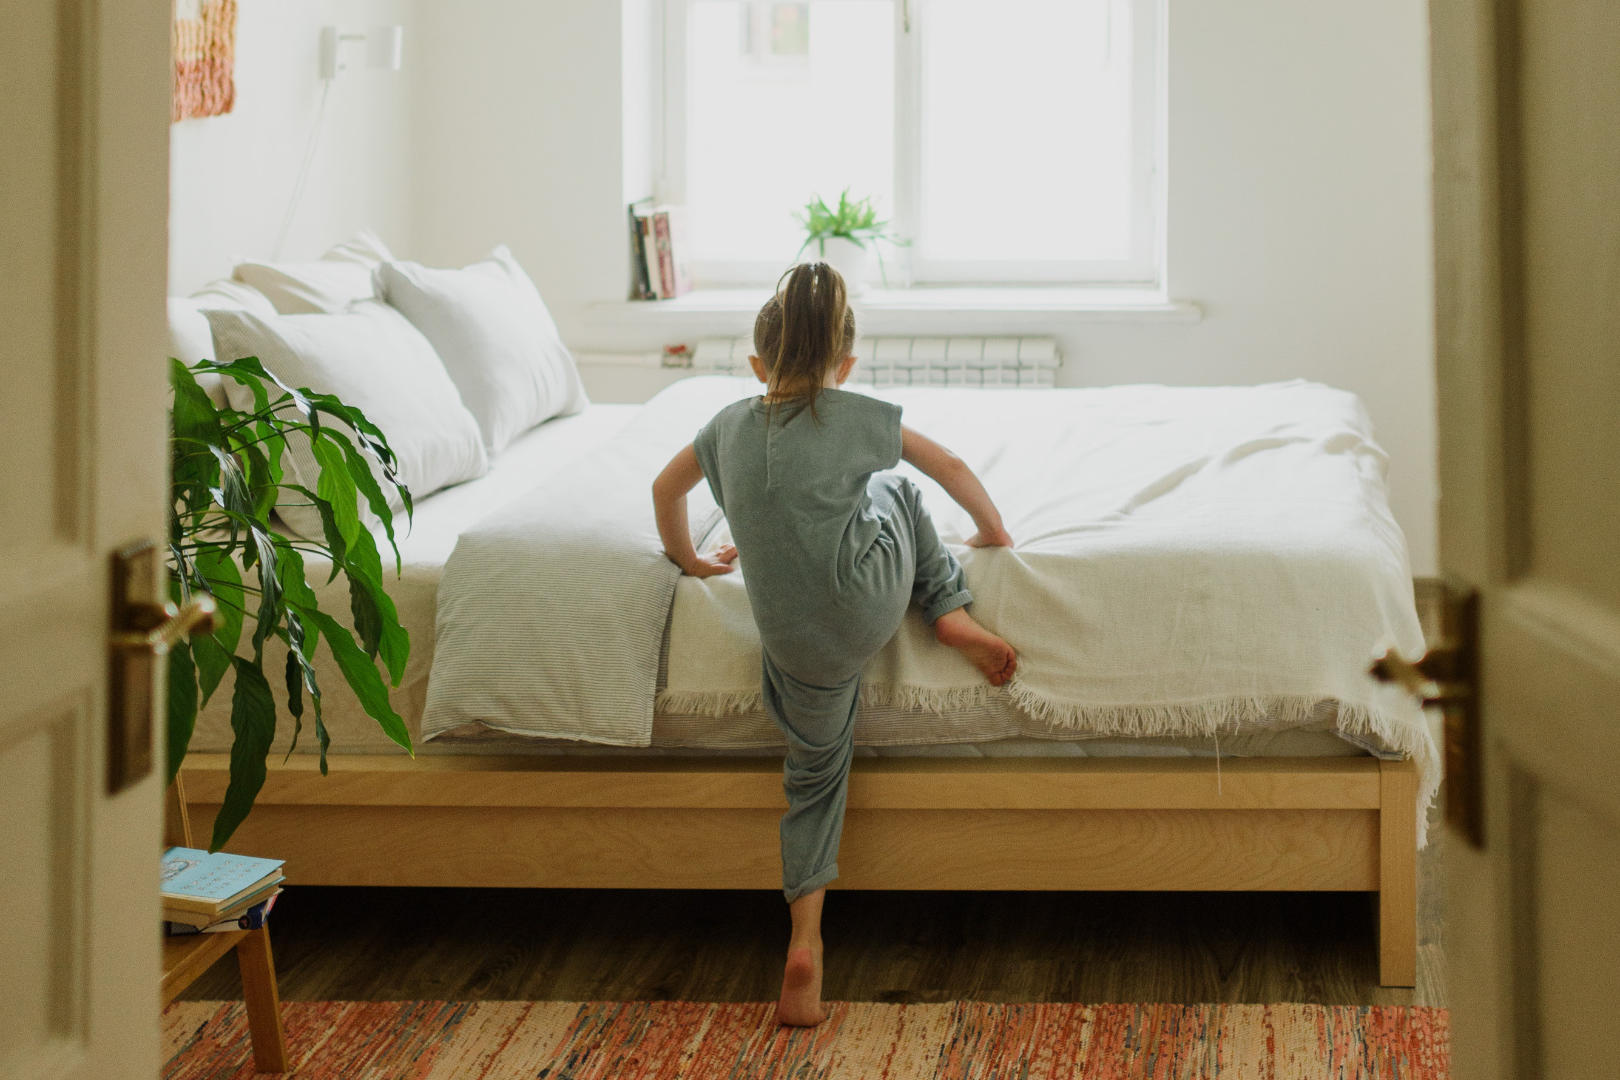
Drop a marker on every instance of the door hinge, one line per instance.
(1447, 676)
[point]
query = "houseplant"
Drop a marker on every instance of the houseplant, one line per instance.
(226, 475)
(847, 235)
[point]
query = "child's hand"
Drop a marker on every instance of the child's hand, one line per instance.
(996, 537)
(708, 566)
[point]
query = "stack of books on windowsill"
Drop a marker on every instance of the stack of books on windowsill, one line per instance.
(204, 892)
(658, 266)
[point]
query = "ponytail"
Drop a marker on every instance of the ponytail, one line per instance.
(803, 331)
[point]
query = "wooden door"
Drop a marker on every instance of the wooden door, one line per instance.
(1527, 202)
(84, 206)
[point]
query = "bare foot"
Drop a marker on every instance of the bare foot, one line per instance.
(800, 1005)
(989, 653)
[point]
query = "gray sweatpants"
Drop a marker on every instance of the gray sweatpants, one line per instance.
(815, 704)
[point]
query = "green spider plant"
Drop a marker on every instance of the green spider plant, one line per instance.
(854, 220)
(226, 477)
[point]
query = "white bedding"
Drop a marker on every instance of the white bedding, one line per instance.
(439, 520)
(1002, 723)
(1190, 561)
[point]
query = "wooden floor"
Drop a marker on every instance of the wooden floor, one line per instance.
(570, 945)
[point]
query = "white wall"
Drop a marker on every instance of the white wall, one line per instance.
(231, 176)
(519, 143)
(1298, 196)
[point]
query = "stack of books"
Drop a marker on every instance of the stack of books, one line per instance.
(210, 891)
(658, 254)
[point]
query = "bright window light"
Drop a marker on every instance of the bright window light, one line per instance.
(1026, 131)
(1008, 140)
(784, 101)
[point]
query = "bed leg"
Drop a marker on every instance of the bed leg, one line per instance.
(1397, 873)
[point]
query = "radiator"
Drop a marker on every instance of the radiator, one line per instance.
(917, 361)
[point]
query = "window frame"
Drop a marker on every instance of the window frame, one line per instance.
(906, 266)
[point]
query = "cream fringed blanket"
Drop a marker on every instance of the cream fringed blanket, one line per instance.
(1188, 561)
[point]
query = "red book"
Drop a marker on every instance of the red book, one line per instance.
(669, 232)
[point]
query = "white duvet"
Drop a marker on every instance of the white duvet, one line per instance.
(1189, 561)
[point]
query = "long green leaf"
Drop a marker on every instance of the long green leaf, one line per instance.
(323, 738)
(270, 607)
(259, 479)
(253, 725)
(182, 707)
(294, 677)
(232, 490)
(222, 577)
(194, 414)
(218, 573)
(240, 372)
(213, 661)
(302, 598)
(367, 619)
(374, 495)
(193, 471)
(337, 487)
(361, 672)
(375, 617)
(337, 547)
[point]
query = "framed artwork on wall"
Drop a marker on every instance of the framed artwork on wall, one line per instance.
(204, 58)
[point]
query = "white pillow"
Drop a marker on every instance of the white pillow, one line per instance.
(190, 339)
(325, 285)
(364, 247)
(225, 293)
(372, 358)
(496, 338)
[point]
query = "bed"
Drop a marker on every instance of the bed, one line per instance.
(1319, 787)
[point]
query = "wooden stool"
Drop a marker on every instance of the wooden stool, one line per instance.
(188, 956)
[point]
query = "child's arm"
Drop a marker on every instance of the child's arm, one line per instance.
(952, 473)
(681, 475)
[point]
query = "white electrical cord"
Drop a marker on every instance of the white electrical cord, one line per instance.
(303, 169)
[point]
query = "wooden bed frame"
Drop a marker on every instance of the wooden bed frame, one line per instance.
(1305, 824)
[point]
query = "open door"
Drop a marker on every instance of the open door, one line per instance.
(1527, 244)
(84, 105)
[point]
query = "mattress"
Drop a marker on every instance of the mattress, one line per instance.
(996, 728)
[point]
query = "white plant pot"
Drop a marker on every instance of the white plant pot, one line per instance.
(852, 261)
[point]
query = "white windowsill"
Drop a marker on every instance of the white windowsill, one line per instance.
(983, 309)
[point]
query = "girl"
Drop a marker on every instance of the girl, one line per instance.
(836, 549)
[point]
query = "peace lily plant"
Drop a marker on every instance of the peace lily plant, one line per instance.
(227, 469)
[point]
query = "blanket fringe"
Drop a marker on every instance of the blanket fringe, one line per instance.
(714, 703)
(1360, 723)
(718, 703)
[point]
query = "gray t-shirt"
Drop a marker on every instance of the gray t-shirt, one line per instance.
(794, 489)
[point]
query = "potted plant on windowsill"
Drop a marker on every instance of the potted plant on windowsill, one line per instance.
(226, 477)
(848, 236)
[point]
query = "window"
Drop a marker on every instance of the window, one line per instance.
(1009, 142)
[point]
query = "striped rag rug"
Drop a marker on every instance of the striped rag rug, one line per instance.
(654, 1040)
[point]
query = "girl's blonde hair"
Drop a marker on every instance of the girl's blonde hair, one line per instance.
(803, 331)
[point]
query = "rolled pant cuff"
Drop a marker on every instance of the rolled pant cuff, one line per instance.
(947, 605)
(815, 881)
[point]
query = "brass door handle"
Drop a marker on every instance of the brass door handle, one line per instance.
(157, 628)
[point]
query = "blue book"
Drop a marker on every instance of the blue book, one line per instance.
(205, 882)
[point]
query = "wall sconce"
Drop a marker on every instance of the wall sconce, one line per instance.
(384, 46)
